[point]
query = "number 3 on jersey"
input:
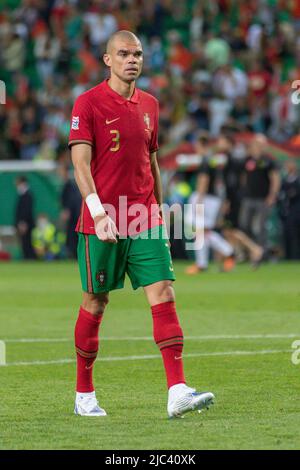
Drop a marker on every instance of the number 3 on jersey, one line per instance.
(116, 140)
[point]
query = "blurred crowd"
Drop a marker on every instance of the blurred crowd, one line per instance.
(40, 237)
(250, 201)
(210, 63)
(224, 208)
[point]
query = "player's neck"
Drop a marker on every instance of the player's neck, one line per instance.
(122, 88)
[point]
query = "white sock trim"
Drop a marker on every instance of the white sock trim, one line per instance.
(85, 395)
(177, 389)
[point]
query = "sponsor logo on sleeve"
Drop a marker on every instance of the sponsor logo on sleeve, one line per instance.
(75, 123)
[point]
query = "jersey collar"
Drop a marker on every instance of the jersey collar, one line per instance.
(118, 98)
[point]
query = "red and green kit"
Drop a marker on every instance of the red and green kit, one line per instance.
(122, 134)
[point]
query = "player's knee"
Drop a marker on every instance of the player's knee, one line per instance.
(102, 302)
(165, 294)
(168, 294)
(95, 304)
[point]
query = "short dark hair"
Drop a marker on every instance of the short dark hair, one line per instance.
(228, 136)
(21, 179)
(203, 138)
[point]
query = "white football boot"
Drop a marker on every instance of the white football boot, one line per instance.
(183, 399)
(86, 404)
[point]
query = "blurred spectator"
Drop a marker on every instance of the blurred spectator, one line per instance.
(261, 186)
(216, 62)
(30, 133)
(210, 192)
(24, 219)
(289, 200)
(13, 52)
(100, 25)
(46, 51)
(217, 51)
(239, 119)
(230, 83)
(48, 243)
(71, 203)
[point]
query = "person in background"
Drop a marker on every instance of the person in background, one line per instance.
(24, 219)
(261, 181)
(289, 205)
(71, 204)
(30, 133)
(232, 180)
(210, 192)
(47, 242)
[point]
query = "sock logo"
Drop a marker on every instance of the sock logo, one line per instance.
(176, 358)
(101, 277)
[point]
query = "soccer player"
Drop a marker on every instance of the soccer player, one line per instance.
(113, 141)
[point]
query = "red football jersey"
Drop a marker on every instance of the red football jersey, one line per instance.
(123, 134)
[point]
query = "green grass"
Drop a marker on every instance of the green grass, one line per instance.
(257, 396)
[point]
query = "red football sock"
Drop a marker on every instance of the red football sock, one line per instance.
(169, 338)
(86, 345)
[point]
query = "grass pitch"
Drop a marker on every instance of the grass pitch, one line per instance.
(239, 330)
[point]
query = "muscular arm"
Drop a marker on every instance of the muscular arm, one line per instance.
(274, 187)
(157, 179)
(81, 157)
(202, 184)
(274, 182)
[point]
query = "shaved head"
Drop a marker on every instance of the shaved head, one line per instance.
(124, 57)
(123, 35)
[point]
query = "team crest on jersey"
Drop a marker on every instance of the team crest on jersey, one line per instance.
(101, 277)
(75, 123)
(147, 120)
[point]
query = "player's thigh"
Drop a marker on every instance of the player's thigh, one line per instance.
(149, 258)
(102, 265)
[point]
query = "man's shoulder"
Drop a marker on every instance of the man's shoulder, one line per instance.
(88, 96)
(147, 97)
(269, 160)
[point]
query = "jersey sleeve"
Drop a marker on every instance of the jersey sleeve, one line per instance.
(81, 122)
(154, 137)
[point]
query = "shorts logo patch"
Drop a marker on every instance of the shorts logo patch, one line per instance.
(101, 277)
(75, 123)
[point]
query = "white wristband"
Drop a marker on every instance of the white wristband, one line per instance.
(94, 204)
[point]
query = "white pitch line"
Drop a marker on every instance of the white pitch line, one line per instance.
(153, 356)
(150, 338)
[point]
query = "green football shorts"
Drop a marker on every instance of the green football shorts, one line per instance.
(103, 265)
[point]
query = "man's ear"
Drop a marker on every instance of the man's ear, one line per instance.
(106, 59)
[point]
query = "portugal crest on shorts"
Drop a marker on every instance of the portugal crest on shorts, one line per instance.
(101, 277)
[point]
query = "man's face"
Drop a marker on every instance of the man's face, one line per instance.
(125, 59)
(258, 146)
(290, 167)
(223, 145)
